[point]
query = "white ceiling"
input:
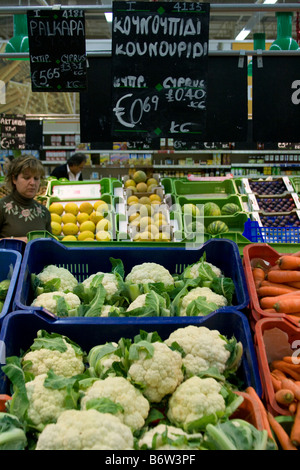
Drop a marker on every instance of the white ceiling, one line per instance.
(224, 25)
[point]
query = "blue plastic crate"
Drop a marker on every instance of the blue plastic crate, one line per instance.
(258, 234)
(83, 262)
(13, 244)
(18, 332)
(10, 264)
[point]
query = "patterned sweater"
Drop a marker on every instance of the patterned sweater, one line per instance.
(18, 216)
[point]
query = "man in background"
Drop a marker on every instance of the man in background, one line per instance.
(72, 170)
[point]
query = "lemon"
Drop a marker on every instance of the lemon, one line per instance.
(162, 236)
(144, 200)
(55, 218)
(103, 224)
(72, 208)
(70, 229)
(155, 197)
(95, 217)
(98, 203)
(152, 181)
(86, 207)
(102, 208)
(85, 234)
(56, 207)
(132, 199)
(87, 225)
(146, 236)
(67, 217)
(82, 217)
(69, 238)
(89, 239)
(56, 228)
(133, 217)
(159, 216)
(145, 222)
(129, 182)
(103, 236)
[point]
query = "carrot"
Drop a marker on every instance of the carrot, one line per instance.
(252, 392)
(275, 267)
(295, 284)
(288, 305)
(269, 310)
(295, 431)
(277, 284)
(276, 383)
(291, 360)
(293, 407)
(269, 291)
(258, 276)
(280, 433)
(269, 302)
(284, 396)
(295, 317)
(297, 253)
(289, 384)
(288, 262)
(288, 369)
(283, 276)
(278, 374)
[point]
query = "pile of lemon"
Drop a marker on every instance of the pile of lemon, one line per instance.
(147, 219)
(83, 221)
(139, 182)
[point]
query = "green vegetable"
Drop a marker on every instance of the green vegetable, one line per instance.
(236, 434)
(230, 209)
(4, 286)
(216, 227)
(12, 434)
(211, 209)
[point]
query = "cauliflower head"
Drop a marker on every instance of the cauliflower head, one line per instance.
(45, 404)
(109, 282)
(66, 363)
(206, 292)
(101, 359)
(165, 437)
(107, 309)
(146, 273)
(48, 300)
(138, 302)
(194, 399)
(158, 374)
(203, 348)
(120, 390)
(86, 430)
(67, 280)
(194, 269)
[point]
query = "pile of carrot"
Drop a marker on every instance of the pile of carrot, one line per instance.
(285, 376)
(278, 286)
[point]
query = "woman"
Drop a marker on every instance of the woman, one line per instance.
(20, 213)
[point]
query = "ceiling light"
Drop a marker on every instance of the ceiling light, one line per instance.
(242, 34)
(270, 2)
(108, 17)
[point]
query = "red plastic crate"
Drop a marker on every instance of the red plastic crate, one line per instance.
(249, 411)
(3, 400)
(269, 254)
(293, 333)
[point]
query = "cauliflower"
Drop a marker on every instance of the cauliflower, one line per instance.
(167, 437)
(203, 348)
(120, 390)
(102, 357)
(106, 310)
(193, 270)
(49, 300)
(65, 360)
(86, 430)
(146, 273)
(194, 399)
(159, 373)
(195, 293)
(109, 282)
(45, 404)
(66, 280)
(138, 302)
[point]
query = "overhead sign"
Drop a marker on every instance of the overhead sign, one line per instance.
(159, 69)
(57, 50)
(276, 99)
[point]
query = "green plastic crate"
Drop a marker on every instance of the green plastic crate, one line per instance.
(105, 185)
(205, 189)
(233, 199)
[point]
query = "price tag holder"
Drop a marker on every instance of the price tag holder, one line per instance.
(57, 50)
(13, 131)
(159, 67)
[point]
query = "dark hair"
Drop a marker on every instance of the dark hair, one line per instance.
(20, 164)
(76, 159)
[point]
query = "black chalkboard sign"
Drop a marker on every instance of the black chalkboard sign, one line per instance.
(276, 99)
(34, 134)
(13, 131)
(57, 50)
(159, 69)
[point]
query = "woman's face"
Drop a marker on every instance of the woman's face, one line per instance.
(27, 184)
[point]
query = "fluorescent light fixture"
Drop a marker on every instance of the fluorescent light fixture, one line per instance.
(270, 2)
(108, 17)
(242, 34)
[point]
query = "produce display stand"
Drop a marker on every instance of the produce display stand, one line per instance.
(20, 328)
(84, 261)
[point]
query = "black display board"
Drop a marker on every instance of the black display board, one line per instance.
(34, 134)
(12, 131)
(276, 99)
(159, 69)
(57, 49)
